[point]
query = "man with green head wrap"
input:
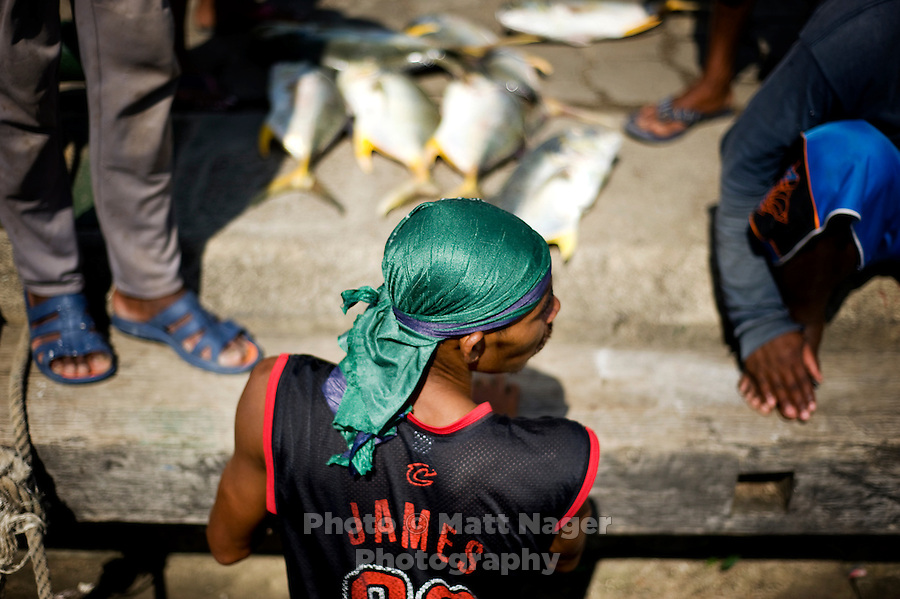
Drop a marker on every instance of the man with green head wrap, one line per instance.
(382, 470)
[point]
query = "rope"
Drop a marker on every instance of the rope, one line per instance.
(21, 512)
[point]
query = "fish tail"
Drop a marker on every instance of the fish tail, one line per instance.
(405, 193)
(650, 23)
(556, 108)
(362, 150)
(432, 152)
(519, 39)
(681, 6)
(421, 169)
(320, 190)
(566, 243)
(470, 187)
(264, 140)
(297, 179)
(541, 65)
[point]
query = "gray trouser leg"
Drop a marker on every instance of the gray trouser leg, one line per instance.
(127, 50)
(128, 55)
(35, 201)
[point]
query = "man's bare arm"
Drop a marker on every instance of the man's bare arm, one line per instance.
(570, 540)
(240, 505)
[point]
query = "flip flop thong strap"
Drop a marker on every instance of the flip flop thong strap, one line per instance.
(667, 112)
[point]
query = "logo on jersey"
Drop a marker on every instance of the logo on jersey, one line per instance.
(420, 474)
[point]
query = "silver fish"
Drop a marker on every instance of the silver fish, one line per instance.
(451, 31)
(556, 182)
(580, 22)
(479, 48)
(306, 115)
(337, 46)
(482, 124)
(393, 116)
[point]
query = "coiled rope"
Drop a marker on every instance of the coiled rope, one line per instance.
(21, 512)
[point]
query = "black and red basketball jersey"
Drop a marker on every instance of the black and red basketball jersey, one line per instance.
(459, 511)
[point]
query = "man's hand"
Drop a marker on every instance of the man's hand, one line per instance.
(782, 373)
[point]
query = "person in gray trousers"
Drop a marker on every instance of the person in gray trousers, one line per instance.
(128, 55)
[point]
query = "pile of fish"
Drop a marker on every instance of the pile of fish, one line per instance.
(362, 80)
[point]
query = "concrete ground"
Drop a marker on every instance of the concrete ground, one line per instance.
(651, 218)
(197, 576)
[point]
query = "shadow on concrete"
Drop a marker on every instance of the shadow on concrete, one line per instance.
(144, 549)
(542, 394)
(218, 173)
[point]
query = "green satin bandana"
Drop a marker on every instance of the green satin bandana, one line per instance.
(450, 267)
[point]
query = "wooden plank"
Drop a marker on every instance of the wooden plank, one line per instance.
(675, 436)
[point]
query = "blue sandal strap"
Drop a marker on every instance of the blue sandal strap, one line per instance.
(65, 317)
(184, 319)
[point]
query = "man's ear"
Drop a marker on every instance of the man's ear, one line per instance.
(472, 347)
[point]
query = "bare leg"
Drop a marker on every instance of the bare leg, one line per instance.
(712, 92)
(205, 14)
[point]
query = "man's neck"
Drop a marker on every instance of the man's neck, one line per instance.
(446, 394)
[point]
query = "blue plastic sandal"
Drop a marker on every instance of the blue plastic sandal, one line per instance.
(65, 320)
(184, 319)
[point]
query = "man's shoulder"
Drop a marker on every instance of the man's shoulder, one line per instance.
(836, 16)
(298, 373)
(301, 363)
(551, 437)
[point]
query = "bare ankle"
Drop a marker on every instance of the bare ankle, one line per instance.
(142, 309)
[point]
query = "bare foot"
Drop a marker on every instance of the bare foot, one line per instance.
(205, 15)
(752, 396)
(699, 98)
(239, 352)
(70, 367)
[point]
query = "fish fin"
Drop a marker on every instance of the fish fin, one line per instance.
(566, 244)
(264, 140)
(405, 193)
(647, 25)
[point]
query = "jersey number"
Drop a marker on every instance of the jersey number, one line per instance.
(377, 582)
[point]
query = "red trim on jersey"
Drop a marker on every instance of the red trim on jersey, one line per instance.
(477, 413)
(588, 484)
(268, 422)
